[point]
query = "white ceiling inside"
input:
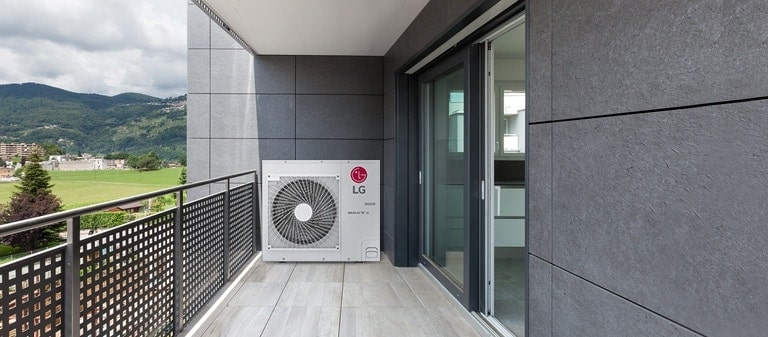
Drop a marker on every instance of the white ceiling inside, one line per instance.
(318, 27)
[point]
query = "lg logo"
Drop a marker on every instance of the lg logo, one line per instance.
(358, 175)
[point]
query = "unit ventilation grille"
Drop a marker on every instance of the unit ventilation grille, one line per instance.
(304, 212)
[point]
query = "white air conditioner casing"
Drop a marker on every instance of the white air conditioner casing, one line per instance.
(320, 210)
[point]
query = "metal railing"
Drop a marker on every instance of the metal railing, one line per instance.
(148, 277)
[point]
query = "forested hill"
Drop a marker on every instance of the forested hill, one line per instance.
(97, 124)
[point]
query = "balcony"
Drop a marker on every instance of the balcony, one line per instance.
(195, 270)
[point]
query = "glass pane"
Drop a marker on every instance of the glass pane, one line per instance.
(444, 173)
(509, 181)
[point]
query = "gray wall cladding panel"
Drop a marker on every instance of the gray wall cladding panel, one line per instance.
(540, 191)
(275, 74)
(238, 155)
(232, 71)
(668, 209)
(540, 298)
(233, 116)
(611, 57)
(338, 75)
(199, 71)
(388, 115)
(581, 309)
(198, 28)
(333, 149)
(338, 116)
(198, 159)
(220, 39)
(539, 21)
(198, 115)
(276, 116)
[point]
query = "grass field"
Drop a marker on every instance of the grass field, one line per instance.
(82, 188)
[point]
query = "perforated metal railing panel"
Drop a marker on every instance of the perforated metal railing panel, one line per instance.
(32, 295)
(126, 283)
(240, 226)
(203, 247)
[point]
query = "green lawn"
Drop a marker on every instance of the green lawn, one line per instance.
(82, 188)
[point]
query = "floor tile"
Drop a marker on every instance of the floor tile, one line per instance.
(378, 295)
(387, 322)
(257, 294)
(311, 294)
(271, 272)
(451, 323)
(371, 272)
(303, 321)
(240, 321)
(318, 272)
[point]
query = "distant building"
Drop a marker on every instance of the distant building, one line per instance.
(23, 150)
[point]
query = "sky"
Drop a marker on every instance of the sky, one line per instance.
(103, 47)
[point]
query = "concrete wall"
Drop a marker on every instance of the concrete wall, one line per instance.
(648, 161)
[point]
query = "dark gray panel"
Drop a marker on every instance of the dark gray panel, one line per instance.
(331, 149)
(231, 71)
(276, 116)
(581, 309)
(338, 116)
(539, 20)
(338, 75)
(275, 74)
(234, 116)
(668, 210)
(388, 115)
(198, 28)
(387, 216)
(540, 190)
(388, 163)
(611, 57)
(238, 155)
(539, 298)
(198, 115)
(199, 71)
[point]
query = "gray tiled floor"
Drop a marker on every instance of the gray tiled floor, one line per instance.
(338, 299)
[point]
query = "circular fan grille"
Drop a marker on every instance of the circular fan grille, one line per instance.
(307, 200)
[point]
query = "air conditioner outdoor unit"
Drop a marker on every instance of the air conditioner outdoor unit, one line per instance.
(320, 210)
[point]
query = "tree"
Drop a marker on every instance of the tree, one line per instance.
(33, 198)
(51, 149)
(147, 162)
(183, 176)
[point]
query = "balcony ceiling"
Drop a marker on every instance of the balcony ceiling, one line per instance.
(318, 27)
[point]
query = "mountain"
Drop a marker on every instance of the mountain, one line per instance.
(96, 124)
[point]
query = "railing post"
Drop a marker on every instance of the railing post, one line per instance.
(178, 265)
(72, 279)
(227, 269)
(256, 215)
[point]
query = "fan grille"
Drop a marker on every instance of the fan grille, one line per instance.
(304, 212)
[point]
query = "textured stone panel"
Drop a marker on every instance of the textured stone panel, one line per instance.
(199, 71)
(388, 163)
(338, 116)
(539, 298)
(337, 149)
(232, 71)
(618, 56)
(668, 210)
(198, 159)
(237, 155)
(198, 28)
(539, 20)
(582, 309)
(540, 190)
(338, 75)
(220, 39)
(276, 116)
(388, 115)
(275, 74)
(234, 116)
(198, 116)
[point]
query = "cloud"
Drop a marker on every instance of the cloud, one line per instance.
(105, 47)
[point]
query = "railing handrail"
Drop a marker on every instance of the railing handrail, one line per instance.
(45, 220)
